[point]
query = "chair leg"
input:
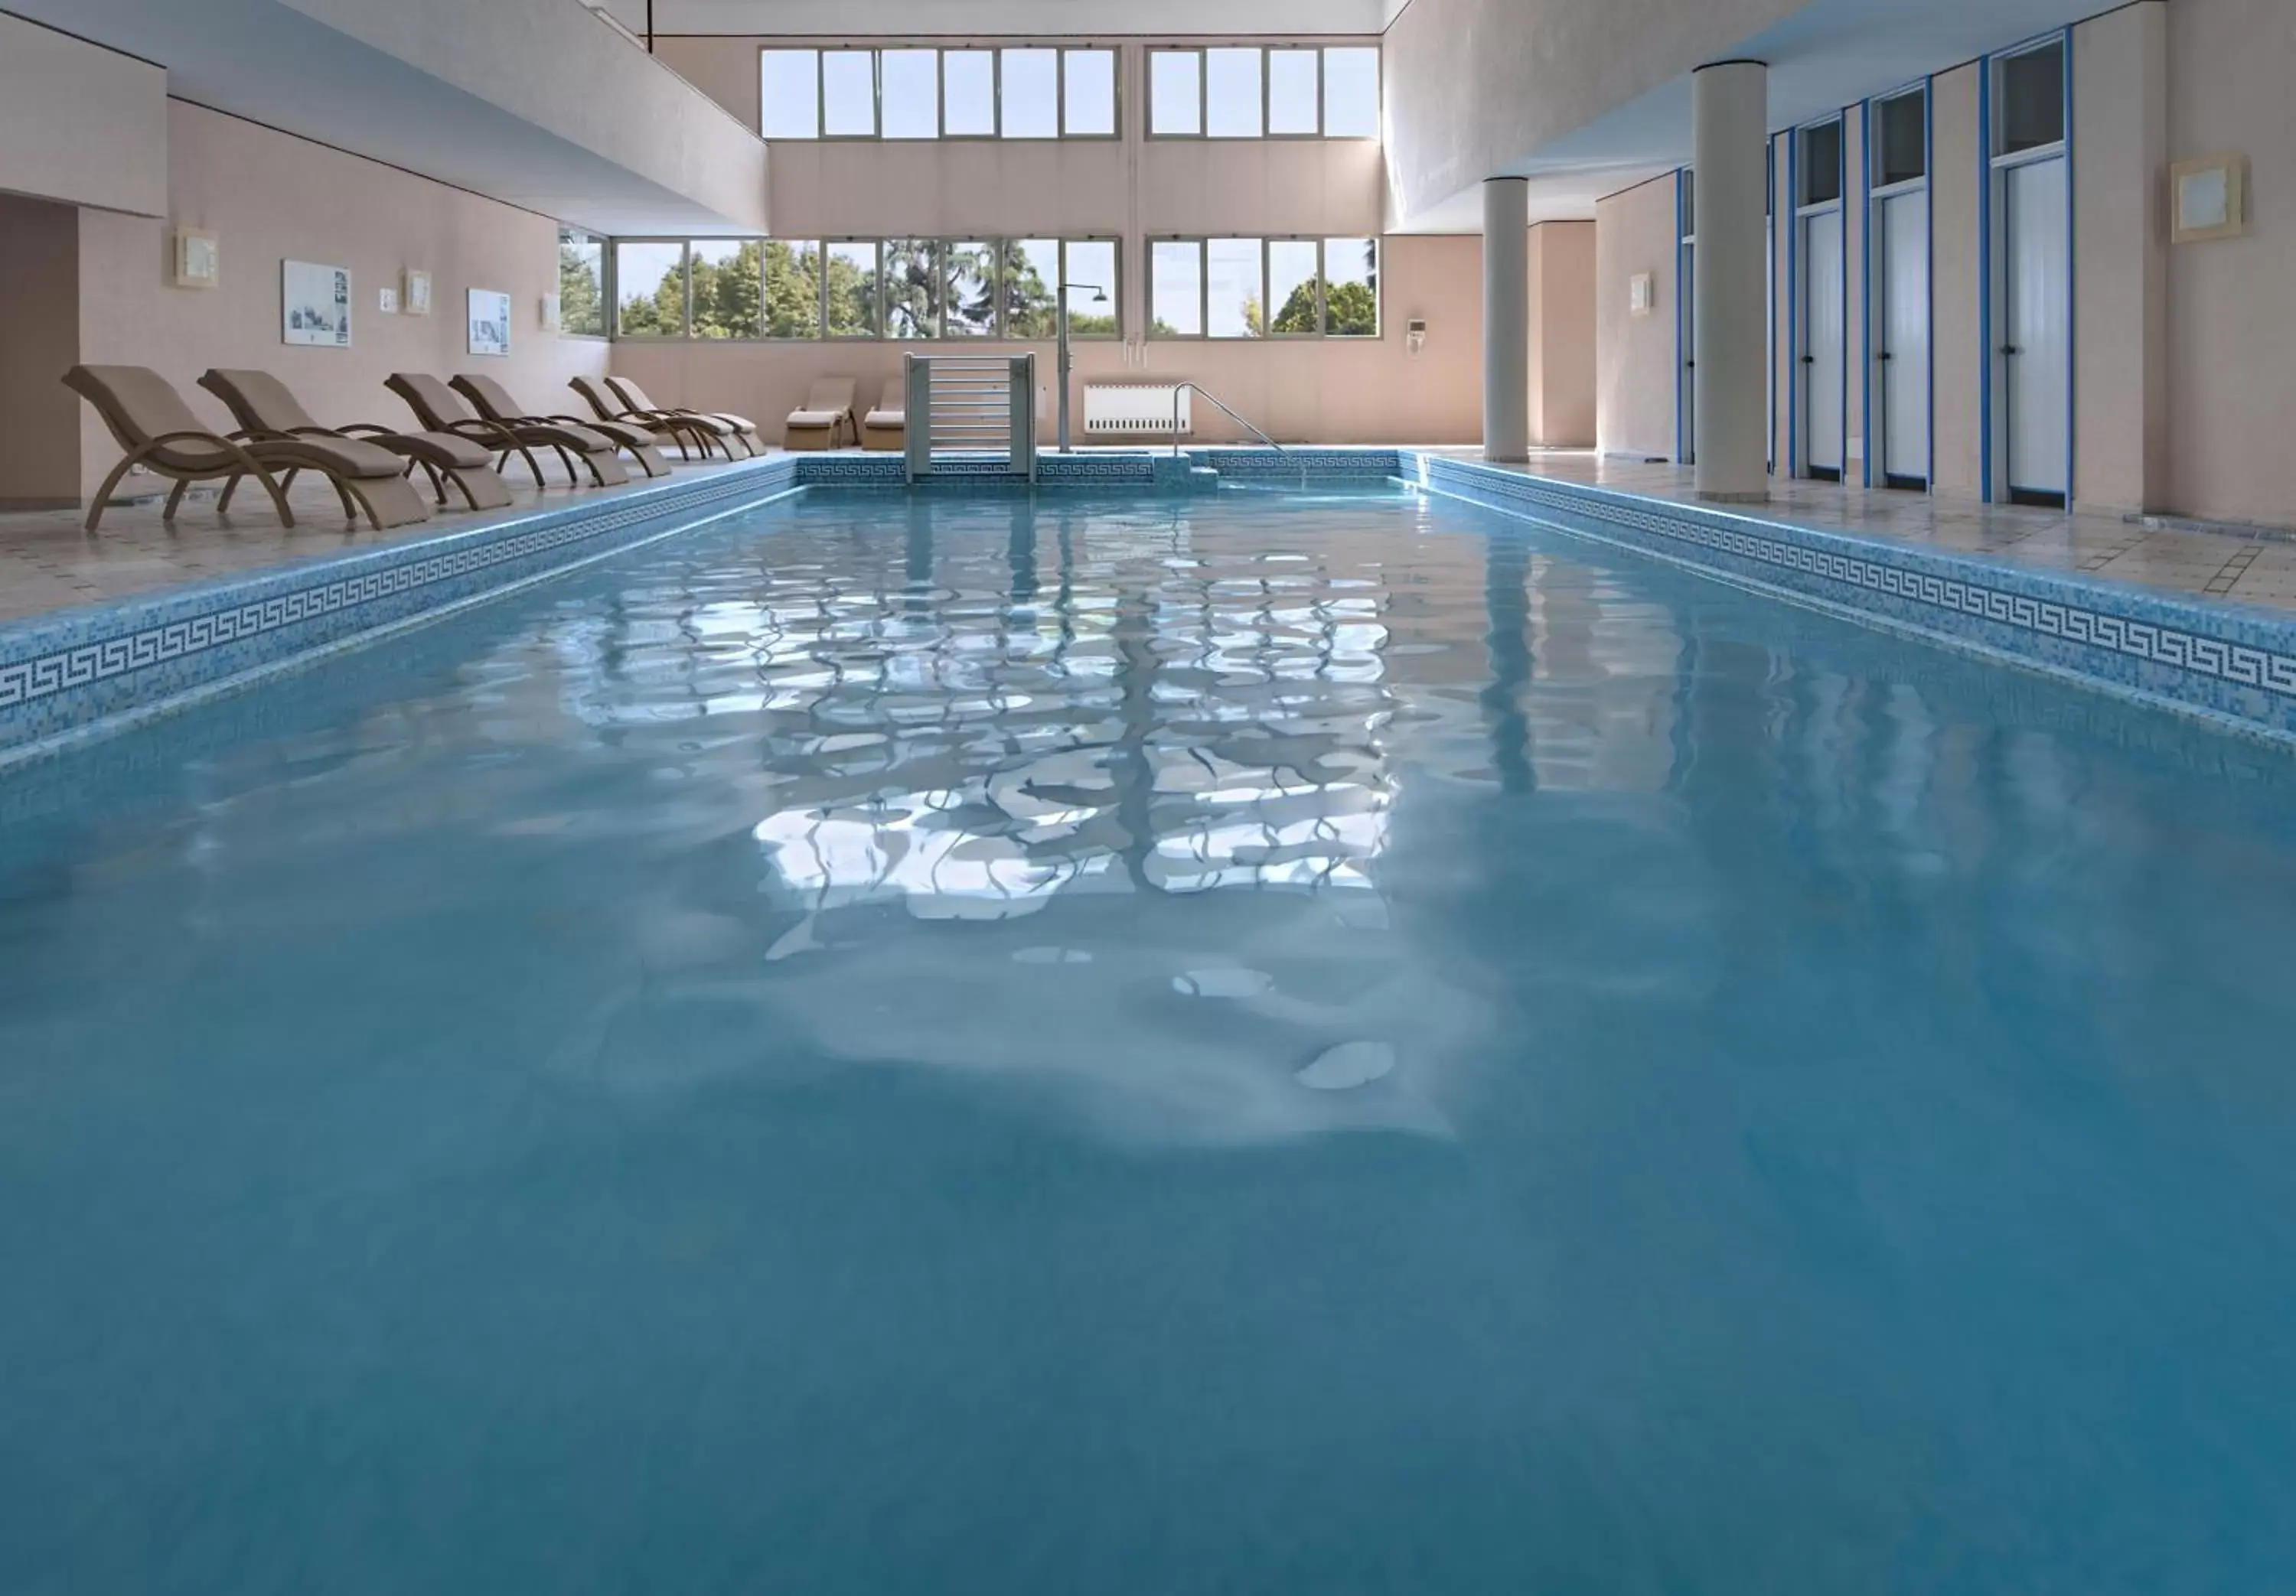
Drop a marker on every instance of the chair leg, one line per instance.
(176, 498)
(230, 487)
(104, 495)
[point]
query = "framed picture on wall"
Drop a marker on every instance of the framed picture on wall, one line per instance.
(315, 305)
(489, 316)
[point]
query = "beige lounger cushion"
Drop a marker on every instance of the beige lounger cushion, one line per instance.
(633, 398)
(495, 404)
(261, 402)
(138, 405)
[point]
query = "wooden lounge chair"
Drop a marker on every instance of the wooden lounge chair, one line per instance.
(494, 404)
(887, 427)
(440, 409)
(150, 419)
(826, 418)
(726, 428)
(264, 407)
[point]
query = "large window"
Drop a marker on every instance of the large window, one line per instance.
(581, 284)
(650, 288)
(1264, 288)
(903, 289)
(1281, 92)
(918, 92)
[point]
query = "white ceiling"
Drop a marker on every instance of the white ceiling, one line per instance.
(273, 64)
(977, 19)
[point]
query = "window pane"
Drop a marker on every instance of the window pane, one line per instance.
(1090, 285)
(1291, 284)
(1032, 269)
(581, 284)
(1820, 163)
(1351, 92)
(912, 93)
(853, 289)
(969, 80)
(2033, 96)
(1088, 93)
(1231, 93)
(968, 287)
(1351, 287)
(1031, 94)
(1238, 298)
(789, 94)
(911, 288)
(1176, 286)
(849, 92)
(1175, 97)
(1904, 153)
(649, 281)
(1292, 91)
(728, 288)
(792, 288)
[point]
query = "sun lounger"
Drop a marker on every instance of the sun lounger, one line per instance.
(494, 403)
(688, 433)
(266, 408)
(150, 419)
(826, 418)
(440, 409)
(726, 428)
(887, 426)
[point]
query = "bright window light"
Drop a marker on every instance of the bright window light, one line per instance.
(1292, 285)
(1175, 92)
(852, 289)
(1176, 287)
(1237, 295)
(969, 92)
(1090, 284)
(1231, 93)
(789, 94)
(1031, 94)
(792, 288)
(1088, 94)
(849, 94)
(1032, 275)
(1291, 76)
(1351, 92)
(968, 287)
(911, 87)
(728, 288)
(912, 288)
(1351, 287)
(650, 290)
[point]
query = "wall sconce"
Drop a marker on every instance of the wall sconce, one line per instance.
(415, 293)
(2207, 199)
(1415, 335)
(199, 258)
(1638, 294)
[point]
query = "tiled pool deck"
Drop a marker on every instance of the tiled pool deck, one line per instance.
(97, 631)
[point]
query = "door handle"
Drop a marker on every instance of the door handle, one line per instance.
(1810, 360)
(1884, 355)
(2009, 348)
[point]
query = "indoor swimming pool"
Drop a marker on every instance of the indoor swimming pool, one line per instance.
(1329, 1042)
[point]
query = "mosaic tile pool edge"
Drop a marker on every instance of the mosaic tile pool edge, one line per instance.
(66, 673)
(2234, 667)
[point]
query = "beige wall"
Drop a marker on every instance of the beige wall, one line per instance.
(40, 328)
(1562, 364)
(1635, 386)
(1958, 365)
(80, 123)
(1321, 391)
(2231, 340)
(270, 197)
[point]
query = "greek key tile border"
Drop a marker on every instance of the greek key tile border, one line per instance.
(56, 656)
(2226, 662)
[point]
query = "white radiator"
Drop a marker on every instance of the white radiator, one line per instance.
(1134, 408)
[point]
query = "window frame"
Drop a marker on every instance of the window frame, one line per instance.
(876, 132)
(1059, 53)
(876, 334)
(608, 307)
(1115, 92)
(1148, 83)
(1324, 288)
(1267, 54)
(819, 117)
(1115, 288)
(820, 294)
(739, 243)
(1260, 51)
(1378, 95)
(996, 93)
(1268, 309)
(684, 332)
(1268, 285)
(941, 94)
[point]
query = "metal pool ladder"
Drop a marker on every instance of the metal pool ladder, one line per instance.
(1199, 387)
(973, 415)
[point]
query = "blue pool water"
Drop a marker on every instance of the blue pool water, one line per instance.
(1253, 1043)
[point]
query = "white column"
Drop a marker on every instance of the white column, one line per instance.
(1506, 318)
(1730, 109)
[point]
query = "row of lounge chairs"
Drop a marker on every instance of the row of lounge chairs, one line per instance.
(469, 429)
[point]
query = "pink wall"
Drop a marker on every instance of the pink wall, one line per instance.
(80, 123)
(270, 197)
(1562, 363)
(1635, 389)
(1321, 391)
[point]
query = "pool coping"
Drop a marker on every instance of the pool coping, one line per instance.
(72, 675)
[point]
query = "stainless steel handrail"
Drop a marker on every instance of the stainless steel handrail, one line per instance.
(1214, 398)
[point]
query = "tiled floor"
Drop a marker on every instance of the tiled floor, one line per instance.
(46, 563)
(2223, 565)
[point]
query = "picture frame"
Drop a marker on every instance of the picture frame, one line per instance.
(2206, 200)
(199, 258)
(415, 293)
(315, 305)
(489, 316)
(554, 312)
